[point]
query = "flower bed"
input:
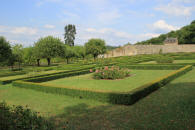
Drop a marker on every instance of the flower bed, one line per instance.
(111, 73)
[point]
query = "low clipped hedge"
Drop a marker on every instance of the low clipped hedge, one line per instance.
(125, 98)
(51, 76)
(57, 76)
(152, 67)
(12, 73)
(164, 59)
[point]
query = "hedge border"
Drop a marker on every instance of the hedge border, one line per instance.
(153, 67)
(125, 98)
(51, 75)
(12, 74)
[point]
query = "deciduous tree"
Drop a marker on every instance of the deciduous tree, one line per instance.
(95, 47)
(48, 47)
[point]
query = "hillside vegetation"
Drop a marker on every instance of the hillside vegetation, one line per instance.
(185, 35)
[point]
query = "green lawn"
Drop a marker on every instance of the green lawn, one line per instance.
(170, 107)
(175, 61)
(29, 74)
(138, 78)
(47, 104)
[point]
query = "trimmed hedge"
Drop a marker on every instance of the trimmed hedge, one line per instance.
(152, 67)
(57, 76)
(12, 73)
(47, 76)
(125, 98)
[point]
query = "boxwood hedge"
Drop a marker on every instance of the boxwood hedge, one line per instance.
(125, 98)
(50, 76)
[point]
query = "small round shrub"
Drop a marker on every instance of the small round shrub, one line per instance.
(164, 59)
(111, 73)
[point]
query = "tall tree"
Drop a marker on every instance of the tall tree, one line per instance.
(95, 47)
(48, 47)
(69, 36)
(5, 49)
(80, 51)
(18, 53)
(29, 55)
(69, 53)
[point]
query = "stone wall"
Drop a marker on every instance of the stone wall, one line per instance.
(129, 50)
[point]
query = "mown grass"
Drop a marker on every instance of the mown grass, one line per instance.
(171, 107)
(175, 61)
(137, 78)
(47, 104)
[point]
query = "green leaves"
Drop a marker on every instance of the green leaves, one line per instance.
(95, 47)
(69, 36)
(5, 49)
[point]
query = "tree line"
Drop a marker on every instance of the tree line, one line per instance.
(50, 47)
(185, 35)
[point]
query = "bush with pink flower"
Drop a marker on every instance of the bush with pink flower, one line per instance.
(111, 73)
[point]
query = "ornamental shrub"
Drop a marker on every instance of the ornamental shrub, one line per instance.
(164, 59)
(19, 118)
(111, 73)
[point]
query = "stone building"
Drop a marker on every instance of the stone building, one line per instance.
(171, 41)
(170, 46)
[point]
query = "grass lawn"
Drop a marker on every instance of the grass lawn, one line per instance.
(138, 78)
(29, 74)
(175, 61)
(171, 107)
(47, 104)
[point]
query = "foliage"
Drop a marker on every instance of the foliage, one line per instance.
(18, 53)
(69, 36)
(29, 55)
(49, 47)
(111, 73)
(164, 59)
(185, 35)
(80, 51)
(95, 47)
(109, 48)
(20, 118)
(69, 53)
(5, 49)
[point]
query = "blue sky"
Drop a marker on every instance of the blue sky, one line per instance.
(116, 21)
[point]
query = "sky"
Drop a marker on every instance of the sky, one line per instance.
(116, 21)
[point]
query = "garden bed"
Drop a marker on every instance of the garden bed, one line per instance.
(137, 78)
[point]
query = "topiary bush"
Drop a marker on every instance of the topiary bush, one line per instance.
(164, 59)
(19, 118)
(111, 73)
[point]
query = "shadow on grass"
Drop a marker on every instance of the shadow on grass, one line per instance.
(171, 107)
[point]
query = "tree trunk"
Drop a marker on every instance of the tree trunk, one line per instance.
(48, 61)
(19, 65)
(38, 62)
(67, 60)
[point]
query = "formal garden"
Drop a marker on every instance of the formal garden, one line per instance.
(52, 85)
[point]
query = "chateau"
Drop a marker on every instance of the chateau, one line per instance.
(170, 46)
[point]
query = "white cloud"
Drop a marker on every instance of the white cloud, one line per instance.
(18, 30)
(23, 30)
(107, 17)
(49, 26)
(178, 8)
(162, 26)
(175, 10)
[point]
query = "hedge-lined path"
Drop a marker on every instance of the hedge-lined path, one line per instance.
(170, 107)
